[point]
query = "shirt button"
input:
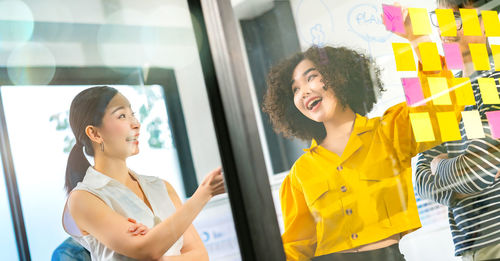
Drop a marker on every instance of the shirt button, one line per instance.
(343, 188)
(348, 211)
(339, 168)
(354, 236)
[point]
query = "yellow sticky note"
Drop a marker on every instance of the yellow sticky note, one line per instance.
(473, 125)
(404, 57)
(448, 126)
(479, 55)
(491, 23)
(463, 91)
(439, 90)
(488, 89)
(429, 54)
(422, 126)
(495, 51)
(470, 22)
(420, 21)
(446, 20)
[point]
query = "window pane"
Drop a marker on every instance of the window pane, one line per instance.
(58, 49)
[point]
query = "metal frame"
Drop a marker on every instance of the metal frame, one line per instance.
(16, 210)
(236, 129)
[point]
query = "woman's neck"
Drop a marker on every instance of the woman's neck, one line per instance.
(340, 125)
(112, 167)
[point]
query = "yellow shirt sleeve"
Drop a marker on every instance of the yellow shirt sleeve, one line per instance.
(299, 239)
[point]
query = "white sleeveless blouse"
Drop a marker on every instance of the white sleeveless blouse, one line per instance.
(126, 203)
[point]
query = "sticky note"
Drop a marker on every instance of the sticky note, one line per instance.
(439, 90)
(404, 57)
(446, 21)
(488, 89)
(495, 52)
(420, 22)
(413, 90)
(470, 22)
(448, 126)
(494, 121)
(430, 56)
(479, 55)
(491, 23)
(473, 125)
(422, 126)
(453, 56)
(393, 19)
(463, 91)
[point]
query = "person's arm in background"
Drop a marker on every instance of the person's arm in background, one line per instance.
(474, 170)
(299, 238)
(425, 181)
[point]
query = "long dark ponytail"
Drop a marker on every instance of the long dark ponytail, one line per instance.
(87, 108)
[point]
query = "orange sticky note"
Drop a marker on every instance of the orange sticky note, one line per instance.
(420, 21)
(479, 55)
(439, 90)
(495, 51)
(488, 89)
(422, 126)
(430, 56)
(404, 57)
(491, 23)
(473, 125)
(463, 91)
(448, 126)
(446, 21)
(470, 22)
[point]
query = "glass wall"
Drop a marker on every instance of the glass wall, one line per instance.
(51, 51)
(272, 31)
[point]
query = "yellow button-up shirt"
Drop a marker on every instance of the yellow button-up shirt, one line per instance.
(332, 203)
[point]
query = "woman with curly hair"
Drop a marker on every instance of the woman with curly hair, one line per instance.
(350, 196)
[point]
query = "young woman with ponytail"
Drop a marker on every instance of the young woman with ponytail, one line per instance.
(105, 198)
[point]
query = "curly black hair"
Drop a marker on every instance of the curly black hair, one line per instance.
(351, 75)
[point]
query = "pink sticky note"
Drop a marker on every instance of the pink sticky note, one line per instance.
(494, 121)
(393, 19)
(413, 90)
(453, 56)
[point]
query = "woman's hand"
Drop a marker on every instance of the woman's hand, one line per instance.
(436, 160)
(408, 35)
(213, 184)
(137, 228)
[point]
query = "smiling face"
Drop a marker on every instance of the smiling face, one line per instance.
(120, 128)
(462, 40)
(310, 95)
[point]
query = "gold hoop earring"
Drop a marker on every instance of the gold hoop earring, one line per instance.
(102, 146)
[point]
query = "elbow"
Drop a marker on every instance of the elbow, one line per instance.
(143, 250)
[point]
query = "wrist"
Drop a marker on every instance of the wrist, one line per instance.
(203, 195)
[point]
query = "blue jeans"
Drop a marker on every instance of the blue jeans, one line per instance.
(70, 250)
